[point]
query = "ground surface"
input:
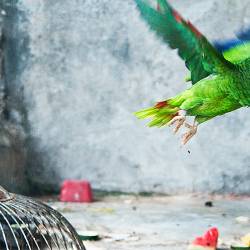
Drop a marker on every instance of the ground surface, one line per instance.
(132, 222)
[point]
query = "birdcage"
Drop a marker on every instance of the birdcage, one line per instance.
(29, 224)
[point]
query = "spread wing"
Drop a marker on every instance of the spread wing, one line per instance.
(242, 37)
(236, 49)
(200, 57)
(238, 53)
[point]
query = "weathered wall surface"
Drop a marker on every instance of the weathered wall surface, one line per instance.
(88, 66)
(13, 160)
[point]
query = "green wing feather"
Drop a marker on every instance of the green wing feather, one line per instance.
(238, 53)
(200, 57)
(240, 89)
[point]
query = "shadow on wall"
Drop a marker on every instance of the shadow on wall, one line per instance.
(15, 152)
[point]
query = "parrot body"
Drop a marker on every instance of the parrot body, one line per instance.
(220, 81)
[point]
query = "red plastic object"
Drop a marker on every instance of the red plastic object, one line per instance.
(76, 191)
(209, 239)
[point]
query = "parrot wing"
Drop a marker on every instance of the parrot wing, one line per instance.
(235, 49)
(238, 53)
(201, 58)
(224, 45)
(242, 37)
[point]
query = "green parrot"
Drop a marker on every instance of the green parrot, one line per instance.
(220, 81)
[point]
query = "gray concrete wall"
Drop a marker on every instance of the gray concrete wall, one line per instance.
(13, 151)
(88, 65)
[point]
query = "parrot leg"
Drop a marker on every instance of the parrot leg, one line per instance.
(178, 120)
(192, 131)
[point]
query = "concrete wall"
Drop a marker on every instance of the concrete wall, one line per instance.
(86, 66)
(13, 150)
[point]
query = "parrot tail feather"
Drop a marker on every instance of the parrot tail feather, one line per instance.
(160, 114)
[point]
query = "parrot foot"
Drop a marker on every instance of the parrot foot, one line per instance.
(188, 135)
(178, 120)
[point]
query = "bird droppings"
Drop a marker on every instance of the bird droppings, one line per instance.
(243, 219)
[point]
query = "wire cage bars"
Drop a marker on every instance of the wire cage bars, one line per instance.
(26, 224)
